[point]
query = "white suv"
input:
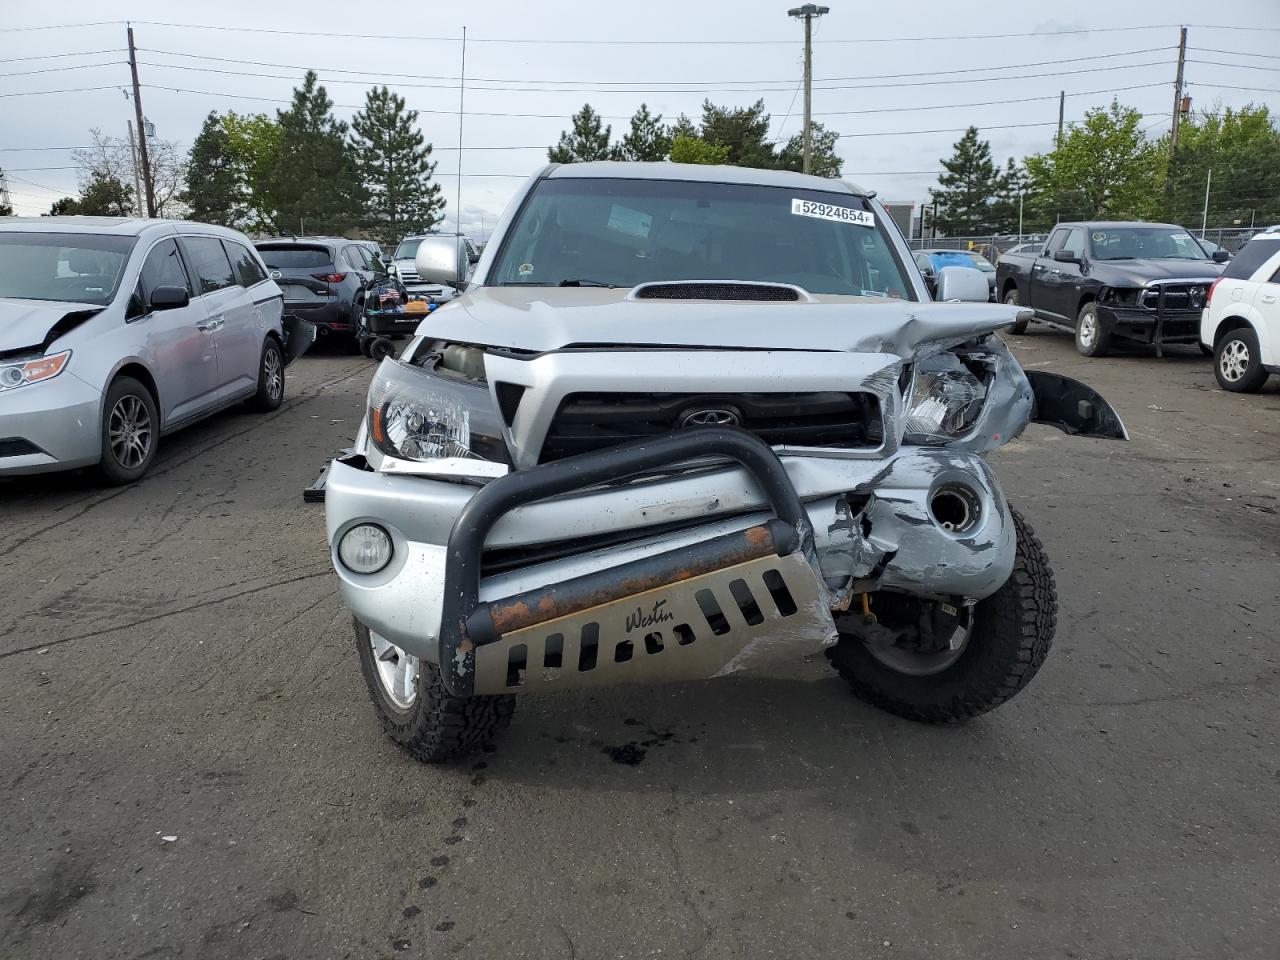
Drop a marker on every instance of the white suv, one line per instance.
(1241, 319)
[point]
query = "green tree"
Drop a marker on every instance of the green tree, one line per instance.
(253, 141)
(395, 167)
(742, 131)
(104, 196)
(313, 182)
(64, 207)
(967, 193)
(648, 139)
(588, 140)
(687, 149)
(823, 161)
(214, 191)
(1105, 167)
(1242, 148)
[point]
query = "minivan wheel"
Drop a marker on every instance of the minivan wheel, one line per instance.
(130, 432)
(270, 378)
(1237, 361)
(416, 711)
(1003, 641)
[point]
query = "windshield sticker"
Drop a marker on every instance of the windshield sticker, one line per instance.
(875, 293)
(525, 269)
(827, 211)
(634, 223)
(1099, 237)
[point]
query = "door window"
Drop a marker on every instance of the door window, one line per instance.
(163, 268)
(1075, 242)
(209, 261)
(248, 271)
(1056, 239)
(356, 257)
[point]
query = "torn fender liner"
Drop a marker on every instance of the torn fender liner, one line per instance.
(1074, 407)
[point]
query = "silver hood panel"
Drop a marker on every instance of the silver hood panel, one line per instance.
(25, 323)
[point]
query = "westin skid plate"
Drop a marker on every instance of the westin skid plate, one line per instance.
(710, 625)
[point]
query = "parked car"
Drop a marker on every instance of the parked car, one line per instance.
(931, 261)
(758, 348)
(1214, 251)
(404, 262)
(1143, 282)
(114, 332)
(1241, 319)
(323, 280)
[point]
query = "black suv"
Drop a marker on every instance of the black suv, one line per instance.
(323, 279)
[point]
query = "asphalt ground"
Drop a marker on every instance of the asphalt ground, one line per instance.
(175, 662)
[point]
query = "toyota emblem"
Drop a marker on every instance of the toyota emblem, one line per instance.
(710, 417)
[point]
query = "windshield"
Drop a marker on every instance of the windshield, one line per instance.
(67, 267)
(621, 232)
(407, 250)
(962, 258)
(1136, 243)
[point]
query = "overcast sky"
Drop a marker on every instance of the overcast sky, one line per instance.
(888, 78)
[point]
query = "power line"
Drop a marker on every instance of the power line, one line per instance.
(83, 53)
(34, 149)
(76, 66)
(40, 93)
(62, 26)
(1233, 53)
(1238, 66)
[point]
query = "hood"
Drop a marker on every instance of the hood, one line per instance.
(542, 319)
(28, 326)
(1138, 272)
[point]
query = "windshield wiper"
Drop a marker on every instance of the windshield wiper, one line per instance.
(587, 283)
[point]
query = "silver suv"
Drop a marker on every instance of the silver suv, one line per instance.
(687, 421)
(114, 332)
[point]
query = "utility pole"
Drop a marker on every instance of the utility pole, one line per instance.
(462, 92)
(142, 132)
(137, 176)
(1204, 217)
(1062, 110)
(1177, 95)
(807, 13)
(1019, 216)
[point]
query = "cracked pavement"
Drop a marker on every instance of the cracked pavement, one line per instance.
(175, 662)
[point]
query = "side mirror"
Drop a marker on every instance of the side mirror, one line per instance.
(967, 284)
(1065, 256)
(1221, 256)
(169, 298)
(439, 263)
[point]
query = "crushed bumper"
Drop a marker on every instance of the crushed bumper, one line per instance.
(863, 524)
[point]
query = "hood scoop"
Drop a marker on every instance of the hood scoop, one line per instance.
(718, 290)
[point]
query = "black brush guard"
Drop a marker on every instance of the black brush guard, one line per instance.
(466, 623)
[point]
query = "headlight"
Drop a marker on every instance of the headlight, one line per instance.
(33, 371)
(945, 401)
(422, 414)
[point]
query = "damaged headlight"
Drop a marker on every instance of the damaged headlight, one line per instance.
(944, 401)
(32, 371)
(416, 413)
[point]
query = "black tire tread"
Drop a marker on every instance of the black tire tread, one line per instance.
(1019, 621)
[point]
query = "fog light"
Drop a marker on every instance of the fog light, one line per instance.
(365, 548)
(955, 508)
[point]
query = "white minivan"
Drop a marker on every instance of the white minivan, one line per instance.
(1241, 318)
(115, 331)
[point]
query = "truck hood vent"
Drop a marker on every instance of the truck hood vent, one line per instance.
(717, 290)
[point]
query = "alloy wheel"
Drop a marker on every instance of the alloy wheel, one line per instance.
(273, 373)
(1234, 362)
(922, 663)
(1088, 330)
(129, 432)
(397, 671)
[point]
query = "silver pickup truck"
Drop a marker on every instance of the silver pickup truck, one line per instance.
(687, 421)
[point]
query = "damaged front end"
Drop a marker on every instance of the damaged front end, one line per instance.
(583, 517)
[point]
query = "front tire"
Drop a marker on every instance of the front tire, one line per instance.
(130, 432)
(1237, 361)
(270, 378)
(1009, 637)
(417, 712)
(1011, 299)
(1093, 339)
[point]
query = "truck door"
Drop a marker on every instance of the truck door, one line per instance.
(1062, 280)
(1040, 267)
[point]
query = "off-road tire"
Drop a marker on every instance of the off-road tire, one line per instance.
(437, 727)
(1100, 345)
(270, 391)
(1012, 633)
(1255, 375)
(109, 469)
(1019, 327)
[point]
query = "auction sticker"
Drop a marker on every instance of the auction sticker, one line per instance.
(828, 211)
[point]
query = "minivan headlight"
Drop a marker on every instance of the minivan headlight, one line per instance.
(944, 402)
(419, 414)
(13, 375)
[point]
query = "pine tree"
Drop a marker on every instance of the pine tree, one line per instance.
(648, 139)
(213, 184)
(823, 161)
(589, 139)
(64, 207)
(965, 193)
(105, 196)
(314, 186)
(742, 131)
(395, 167)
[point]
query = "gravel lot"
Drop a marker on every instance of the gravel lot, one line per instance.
(176, 663)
